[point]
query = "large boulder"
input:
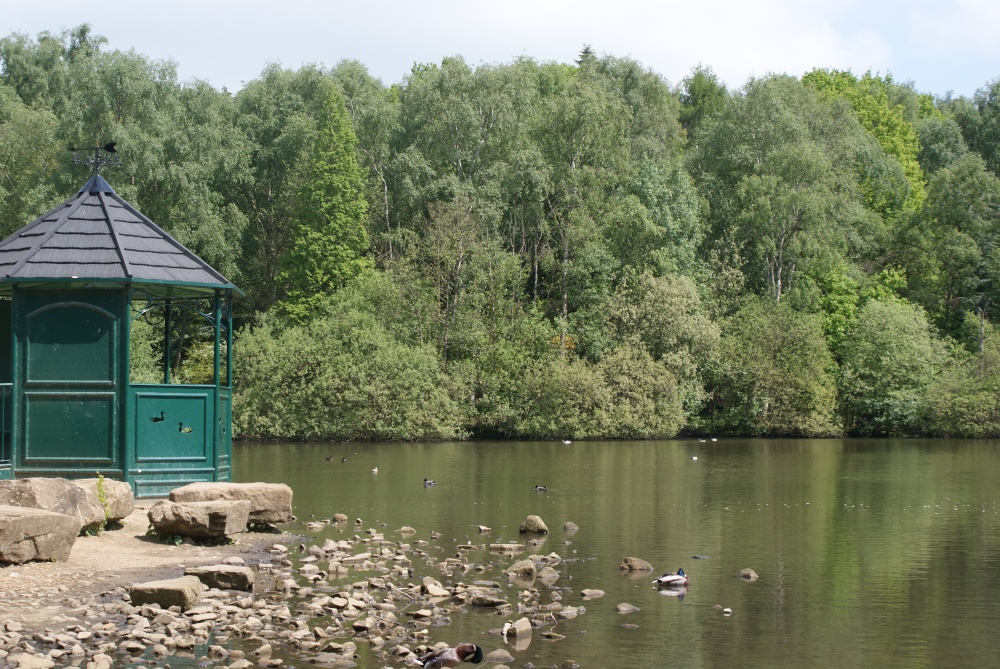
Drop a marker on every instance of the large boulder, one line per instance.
(34, 534)
(206, 520)
(118, 500)
(72, 498)
(184, 592)
(224, 576)
(269, 502)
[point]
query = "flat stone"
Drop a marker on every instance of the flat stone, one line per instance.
(26, 661)
(33, 534)
(212, 519)
(224, 576)
(184, 592)
(269, 502)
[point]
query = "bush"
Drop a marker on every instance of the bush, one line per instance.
(340, 377)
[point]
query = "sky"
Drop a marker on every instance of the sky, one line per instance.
(940, 46)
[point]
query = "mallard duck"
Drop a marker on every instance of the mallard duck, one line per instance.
(669, 580)
(452, 657)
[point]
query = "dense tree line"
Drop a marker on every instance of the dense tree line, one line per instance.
(537, 249)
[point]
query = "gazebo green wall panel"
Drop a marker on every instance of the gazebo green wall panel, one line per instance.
(173, 436)
(68, 359)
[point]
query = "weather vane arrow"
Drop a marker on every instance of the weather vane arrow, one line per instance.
(98, 160)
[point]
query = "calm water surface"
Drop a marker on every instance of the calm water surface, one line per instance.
(870, 553)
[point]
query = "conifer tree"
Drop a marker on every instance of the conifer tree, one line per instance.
(330, 239)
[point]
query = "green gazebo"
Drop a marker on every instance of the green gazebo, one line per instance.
(72, 284)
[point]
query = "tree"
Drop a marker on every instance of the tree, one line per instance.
(330, 239)
(890, 358)
(773, 374)
(869, 98)
(277, 114)
(374, 112)
(941, 144)
(664, 317)
(28, 162)
(341, 376)
(703, 96)
(950, 244)
(979, 119)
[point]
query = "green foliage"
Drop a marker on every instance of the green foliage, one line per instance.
(773, 374)
(102, 498)
(941, 144)
(964, 400)
(869, 97)
(979, 120)
(329, 239)
(341, 376)
(626, 395)
(889, 360)
(145, 353)
(703, 96)
(663, 316)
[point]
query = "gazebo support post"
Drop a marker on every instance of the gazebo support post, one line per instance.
(166, 342)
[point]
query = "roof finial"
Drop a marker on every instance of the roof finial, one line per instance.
(98, 160)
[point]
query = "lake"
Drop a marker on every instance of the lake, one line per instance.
(870, 553)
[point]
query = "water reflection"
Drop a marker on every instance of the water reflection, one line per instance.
(870, 553)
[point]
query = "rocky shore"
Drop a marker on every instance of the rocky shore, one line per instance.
(317, 602)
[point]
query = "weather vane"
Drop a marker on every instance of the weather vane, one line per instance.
(98, 161)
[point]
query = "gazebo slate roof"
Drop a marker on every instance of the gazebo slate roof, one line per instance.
(97, 237)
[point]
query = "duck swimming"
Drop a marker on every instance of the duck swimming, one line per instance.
(452, 657)
(428, 483)
(541, 488)
(669, 580)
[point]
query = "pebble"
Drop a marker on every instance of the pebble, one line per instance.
(299, 610)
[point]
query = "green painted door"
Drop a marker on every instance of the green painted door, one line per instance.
(68, 381)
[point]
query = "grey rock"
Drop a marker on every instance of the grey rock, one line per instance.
(184, 592)
(224, 576)
(533, 525)
(26, 661)
(625, 607)
(500, 655)
(635, 564)
(211, 519)
(748, 574)
(522, 568)
(118, 498)
(269, 502)
(72, 498)
(33, 534)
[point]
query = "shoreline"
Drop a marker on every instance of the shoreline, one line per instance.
(38, 594)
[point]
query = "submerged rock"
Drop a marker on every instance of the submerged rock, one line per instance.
(748, 574)
(635, 564)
